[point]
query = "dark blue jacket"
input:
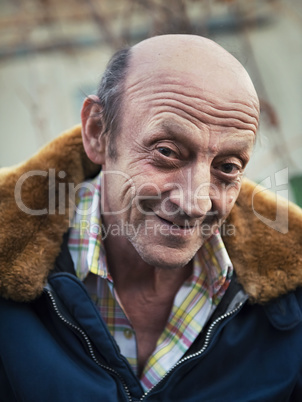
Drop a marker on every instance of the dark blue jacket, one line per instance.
(57, 348)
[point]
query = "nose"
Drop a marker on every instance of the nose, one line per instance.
(191, 192)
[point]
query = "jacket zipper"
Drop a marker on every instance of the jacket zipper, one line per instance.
(200, 352)
(88, 343)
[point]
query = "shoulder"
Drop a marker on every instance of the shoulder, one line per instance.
(265, 244)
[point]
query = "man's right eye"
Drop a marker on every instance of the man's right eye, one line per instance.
(165, 151)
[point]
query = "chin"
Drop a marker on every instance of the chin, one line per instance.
(164, 257)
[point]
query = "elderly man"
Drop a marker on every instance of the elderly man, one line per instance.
(166, 286)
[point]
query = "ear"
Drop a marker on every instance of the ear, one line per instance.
(92, 129)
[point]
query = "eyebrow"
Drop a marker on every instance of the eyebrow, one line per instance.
(179, 132)
(173, 130)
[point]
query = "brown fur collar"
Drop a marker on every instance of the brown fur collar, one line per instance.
(267, 262)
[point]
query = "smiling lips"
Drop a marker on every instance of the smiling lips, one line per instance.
(170, 223)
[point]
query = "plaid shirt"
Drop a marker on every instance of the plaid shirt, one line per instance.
(193, 304)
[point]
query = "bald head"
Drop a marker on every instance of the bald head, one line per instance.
(182, 50)
(197, 58)
(201, 67)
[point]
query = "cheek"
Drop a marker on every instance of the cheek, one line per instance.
(224, 200)
(119, 183)
(148, 182)
(118, 192)
(148, 191)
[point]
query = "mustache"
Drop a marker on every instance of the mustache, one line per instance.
(181, 218)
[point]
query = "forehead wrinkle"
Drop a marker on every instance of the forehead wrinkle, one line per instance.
(210, 108)
(211, 115)
(182, 84)
(204, 115)
(203, 122)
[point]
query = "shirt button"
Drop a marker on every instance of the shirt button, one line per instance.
(128, 333)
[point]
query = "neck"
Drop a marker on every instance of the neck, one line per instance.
(145, 292)
(131, 273)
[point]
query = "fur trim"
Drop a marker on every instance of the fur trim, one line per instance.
(29, 244)
(268, 263)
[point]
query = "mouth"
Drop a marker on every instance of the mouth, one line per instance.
(176, 225)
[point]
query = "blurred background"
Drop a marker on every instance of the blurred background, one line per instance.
(53, 53)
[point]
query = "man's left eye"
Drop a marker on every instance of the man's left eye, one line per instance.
(229, 168)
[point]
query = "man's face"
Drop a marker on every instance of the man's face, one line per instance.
(181, 151)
